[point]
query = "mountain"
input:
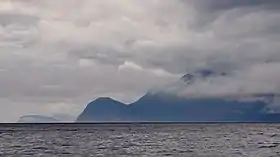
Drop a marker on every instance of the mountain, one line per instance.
(37, 119)
(190, 78)
(104, 109)
(162, 106)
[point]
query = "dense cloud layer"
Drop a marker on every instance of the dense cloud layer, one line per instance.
(55, 56)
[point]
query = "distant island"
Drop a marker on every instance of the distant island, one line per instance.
(162, 106)
(37, 119)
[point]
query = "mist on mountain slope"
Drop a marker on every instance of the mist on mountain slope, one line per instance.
(207, 83)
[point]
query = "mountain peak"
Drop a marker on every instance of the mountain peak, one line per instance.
(200, 74)
(104, 99)
(204, 72)
(103, 109)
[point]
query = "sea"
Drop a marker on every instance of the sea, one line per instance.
(129, 140)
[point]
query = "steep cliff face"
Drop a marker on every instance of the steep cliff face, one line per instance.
(165, 106)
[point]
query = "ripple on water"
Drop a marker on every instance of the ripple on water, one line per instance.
(141, 140)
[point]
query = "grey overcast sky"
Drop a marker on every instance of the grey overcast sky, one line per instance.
(57, 55)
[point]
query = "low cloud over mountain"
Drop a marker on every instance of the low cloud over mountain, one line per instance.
(165, 105)
(57, 55)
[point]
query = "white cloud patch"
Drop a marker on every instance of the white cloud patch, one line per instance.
(71, 51)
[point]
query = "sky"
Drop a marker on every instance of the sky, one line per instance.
(57, 55)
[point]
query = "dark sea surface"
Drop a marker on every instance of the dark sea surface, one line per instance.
(208, 140)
